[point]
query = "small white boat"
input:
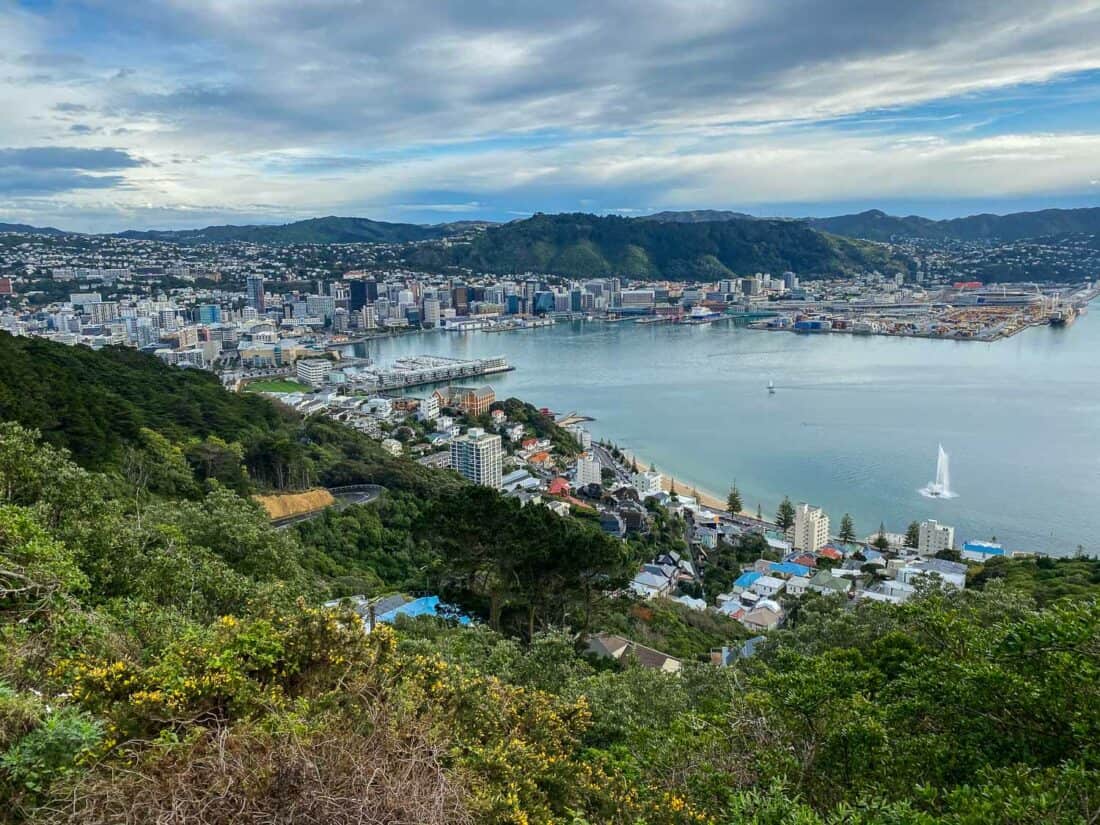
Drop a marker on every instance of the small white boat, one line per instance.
(771, 388)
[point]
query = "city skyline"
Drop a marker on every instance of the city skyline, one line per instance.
(179, 115)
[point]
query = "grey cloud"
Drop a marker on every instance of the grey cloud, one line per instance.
(425, 70)
(44, 170)
(37, 158)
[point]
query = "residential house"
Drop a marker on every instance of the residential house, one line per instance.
(745, 581)
(767, 586)
(825, 582)
(620, 649)
(950, 572)
(797, 585)
(766, 615)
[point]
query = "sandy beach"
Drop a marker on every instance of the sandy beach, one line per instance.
(683, 486)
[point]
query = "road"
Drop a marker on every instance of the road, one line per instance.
(345, 497)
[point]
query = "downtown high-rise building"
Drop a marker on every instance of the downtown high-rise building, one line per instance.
(254, 286)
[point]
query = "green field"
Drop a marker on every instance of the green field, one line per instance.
(275, 385)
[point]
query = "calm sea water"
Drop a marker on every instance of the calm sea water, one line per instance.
(854, 423)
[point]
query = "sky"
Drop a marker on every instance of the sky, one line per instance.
(182, 113)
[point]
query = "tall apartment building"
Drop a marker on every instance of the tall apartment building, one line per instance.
(431, 312)
(478, 456)
(588, 470)
(811, 527)
(935, 537)
(103, 312)
(254, 286)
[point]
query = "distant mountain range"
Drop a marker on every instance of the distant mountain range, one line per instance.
(873, 225)
(876, 225)
(31, 230)
(330, 229)
(583, 245)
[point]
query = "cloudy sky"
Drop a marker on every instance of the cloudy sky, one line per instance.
(178, 113)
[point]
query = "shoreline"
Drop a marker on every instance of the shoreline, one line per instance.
(705, 497)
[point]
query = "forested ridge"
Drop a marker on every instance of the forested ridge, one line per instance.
(581, 246)
(164, 657)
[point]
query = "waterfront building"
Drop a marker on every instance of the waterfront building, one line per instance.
(811, 528)
(647, 483)
(636, 298)
(981, 551)
(478, 457)
(431, 312)
(935, 538)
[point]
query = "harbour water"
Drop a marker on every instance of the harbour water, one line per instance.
(854, 422)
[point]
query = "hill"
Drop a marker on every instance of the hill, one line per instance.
(876, 225)
(697, 216)
(582, 245)
(330, 229)
(24, 229)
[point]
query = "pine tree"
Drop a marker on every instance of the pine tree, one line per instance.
(847, 529)
(784, 516)
(881, 543)
(912, 535)
(733, 500)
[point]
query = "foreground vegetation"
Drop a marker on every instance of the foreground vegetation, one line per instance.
(163, 659)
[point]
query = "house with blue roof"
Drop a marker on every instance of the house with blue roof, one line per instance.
(745, 581)
(789, 568)
(980, 551)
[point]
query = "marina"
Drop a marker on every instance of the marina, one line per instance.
(420, 370)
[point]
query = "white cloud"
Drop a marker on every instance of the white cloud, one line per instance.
(277, 107)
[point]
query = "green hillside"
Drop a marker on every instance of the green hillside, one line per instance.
(580, 245)
(878, 226)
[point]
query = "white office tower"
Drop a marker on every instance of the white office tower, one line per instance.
(478, 456)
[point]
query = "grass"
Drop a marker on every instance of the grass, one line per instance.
(275, 385)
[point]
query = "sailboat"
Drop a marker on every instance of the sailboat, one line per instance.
(771, 387)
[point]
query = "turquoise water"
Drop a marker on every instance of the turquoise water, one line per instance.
(853, 425)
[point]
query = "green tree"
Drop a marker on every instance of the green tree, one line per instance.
(912, 534)
(881, 542)
(784, 516)
(847, 529)
(733, 500)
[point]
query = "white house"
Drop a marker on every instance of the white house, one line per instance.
(950, 572)
(767, 586)
(797, 585)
